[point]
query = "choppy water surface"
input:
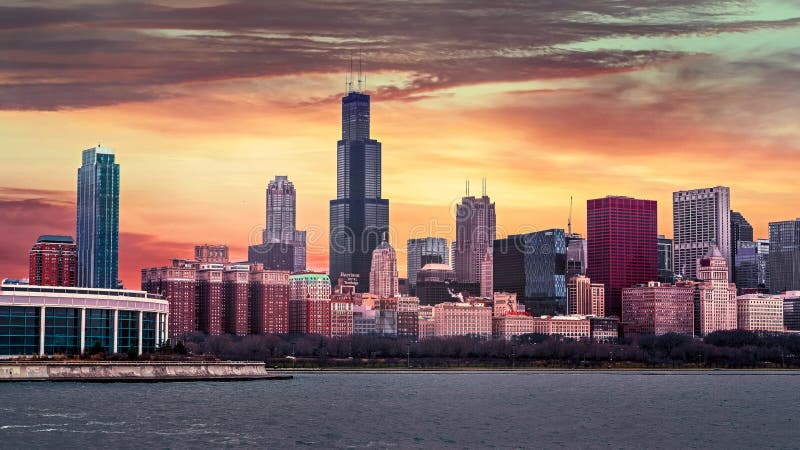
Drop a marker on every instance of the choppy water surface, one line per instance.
(402, 410)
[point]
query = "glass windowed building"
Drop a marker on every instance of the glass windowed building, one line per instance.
(49, 320)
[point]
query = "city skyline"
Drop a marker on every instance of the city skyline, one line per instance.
(589, 123)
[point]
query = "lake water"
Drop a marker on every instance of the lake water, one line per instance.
(413, 410)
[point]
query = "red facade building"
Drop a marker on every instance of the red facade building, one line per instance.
(53, 261)
(209, 299)
(177, 283)
(235, 305)
(656, 308)
(269, 301)
(622, 243)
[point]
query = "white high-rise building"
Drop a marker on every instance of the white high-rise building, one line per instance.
(700, 220)
(715, 295)
(383, 275)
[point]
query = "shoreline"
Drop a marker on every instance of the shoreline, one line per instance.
(561, 370)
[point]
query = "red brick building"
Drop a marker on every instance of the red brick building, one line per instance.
(341, 316)
(408, 318)
(209, 298)
(177, 284)
(53, 261)
(309, 304)
(268, 301)
(235, 306)
(657, 308)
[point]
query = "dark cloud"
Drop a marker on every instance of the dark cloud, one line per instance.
(61, 55)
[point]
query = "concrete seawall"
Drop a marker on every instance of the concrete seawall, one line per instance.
(135, 371)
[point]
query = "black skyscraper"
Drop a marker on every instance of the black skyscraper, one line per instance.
(741, 230)
(359, 216)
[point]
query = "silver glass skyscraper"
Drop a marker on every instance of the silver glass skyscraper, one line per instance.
(784, 256)
(700, 218)
(421, 251)
(359, 217)
(281, 219)
(98, 219)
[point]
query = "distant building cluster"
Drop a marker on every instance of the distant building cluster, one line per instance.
(621, 277)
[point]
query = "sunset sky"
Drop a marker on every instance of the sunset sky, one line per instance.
(205, 102)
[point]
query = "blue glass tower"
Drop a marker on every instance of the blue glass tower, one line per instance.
(98, 219)
(359, 217)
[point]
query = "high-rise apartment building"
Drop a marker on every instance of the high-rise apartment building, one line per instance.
(210, 298)
(475, 232)
(715, 295)
(666, 272)
(177, 284)
(533, 267)
(623, 245)
(281, 220)
(235, 305)
(98, 219)
(784, 256)
(421, 251)
(211, 253)
(268, 301)
(584, 297)
(701, 218)
(656, 308)
(53, 261)
(359, 216)
(309, 304)
(383, 275)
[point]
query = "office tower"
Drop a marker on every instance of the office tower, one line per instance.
(177, 284)
(762, 256)
(584, 297)
(281, 221)
(533, 266)
(98, 219)
(436, 283)
(210, 298)
(759, 312)
(421, 251)
(741, 230)
(791, 310)
(715, 296)
(475, 232)
(359, 217)
(383, 274)
(273, 256)
(746, 271)
(487, 275)
(701, 218)
(576, 255)
(452, 254)
(666, 272)
(784, 256)
(208, 253)
(235, 301)
(622, 244)
(53, 261)
(309, 303)
(268, 301)
(656, 308)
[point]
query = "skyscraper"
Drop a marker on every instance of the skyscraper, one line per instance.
(584, 297)
(762, 256)
(98, 219)
(741, 230)
(700, 218)
(784, 256)
(715, 296)
(421, 251)
(666, 272)
(576, 255)
(475, 232)
(281, 220)
(359, 217)
(487, 275)
(383, 273)
(622, 245)
(53, 261)
(746, 271)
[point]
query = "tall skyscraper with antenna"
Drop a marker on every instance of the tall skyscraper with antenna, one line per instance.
(475, 233)
(359, 216)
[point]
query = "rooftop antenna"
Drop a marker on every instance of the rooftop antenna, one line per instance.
(350, 83)
(569, 219)
(359, 71)
(467, 187)
(484, 186)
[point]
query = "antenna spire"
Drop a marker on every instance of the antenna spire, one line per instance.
(359, 71)
(484, 186)
(569, 219)
(350, 82)
(467, 187)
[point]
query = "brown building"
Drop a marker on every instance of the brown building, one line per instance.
(235, 307)
(512, 324)
(585, 297)
(206, 253)
(177, 284)
(341, 317)
(53, 261)
(408, 318)
(760, 312)
(462, 319)
(268, 301)
(658, 308)
(209, 299)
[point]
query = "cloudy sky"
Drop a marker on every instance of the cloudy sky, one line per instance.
(204, 102)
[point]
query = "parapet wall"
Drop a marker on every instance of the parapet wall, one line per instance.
(131, 371)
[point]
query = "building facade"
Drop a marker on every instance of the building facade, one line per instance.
(791, 310)
(487, 275)
(623, 245)
(715, 296)
(209, 317)
(746, 271)
(784, 256)
(341, 317)
(53, 261)
(576, 255)
(98, 219)
(512, 324)
(50, 320)
(359, 216)
(701, 218)
(656, 308)
(273, 255)
(585, 298)
(533, 266)
(436, 283)
(268, 301)
(462, 319)
(383, 275)
(235, 304)
(666, 271)
(741, 230)
(422, 251)
(309, 304)
(475, 231)
(176, 284)
(758, 312)
(281, 221)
